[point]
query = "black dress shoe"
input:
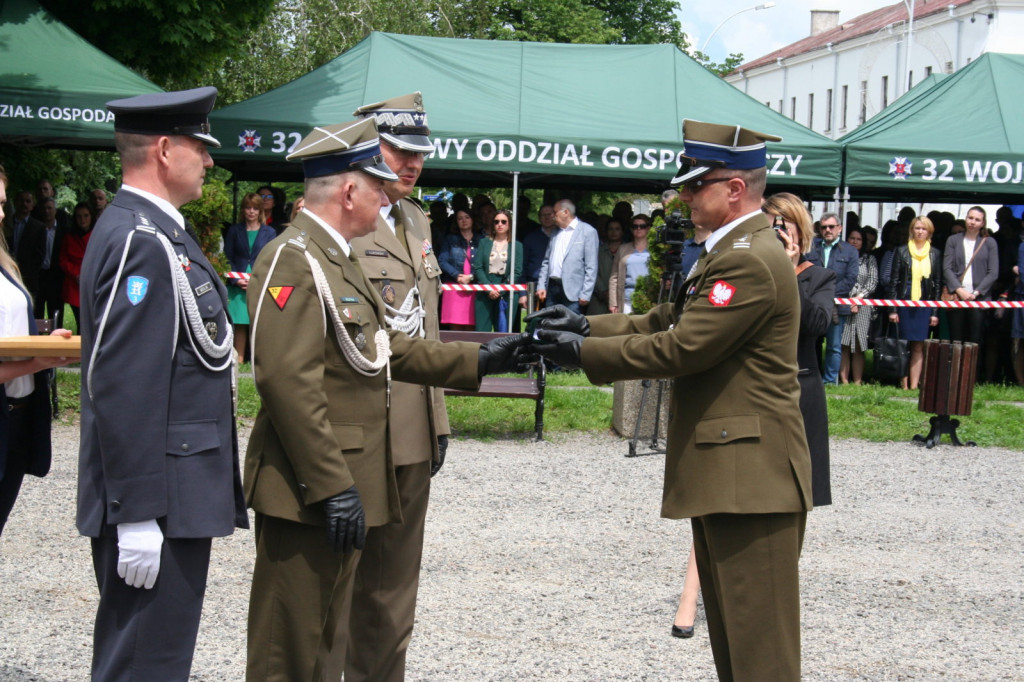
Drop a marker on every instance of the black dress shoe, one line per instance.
(683, 633)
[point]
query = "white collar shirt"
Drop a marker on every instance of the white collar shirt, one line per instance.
(561, 247)
(161, 203)
(342, 242)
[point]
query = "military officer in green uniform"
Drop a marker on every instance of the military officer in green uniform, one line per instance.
(318, 470)
(399, 259)
(737, 462)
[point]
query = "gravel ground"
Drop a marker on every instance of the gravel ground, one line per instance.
(548, 561)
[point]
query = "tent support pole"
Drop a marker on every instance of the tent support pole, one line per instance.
(513, 299)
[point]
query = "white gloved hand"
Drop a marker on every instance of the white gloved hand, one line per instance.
(138, 552)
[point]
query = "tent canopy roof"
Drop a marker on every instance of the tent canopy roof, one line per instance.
(563, 115)
(955, 141)
(54, 84)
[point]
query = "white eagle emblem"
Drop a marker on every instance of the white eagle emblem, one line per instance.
(721, 293)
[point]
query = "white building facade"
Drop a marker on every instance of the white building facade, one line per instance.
(844, 73)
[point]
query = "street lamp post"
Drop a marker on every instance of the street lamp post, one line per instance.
(910, 43)
(765, 5)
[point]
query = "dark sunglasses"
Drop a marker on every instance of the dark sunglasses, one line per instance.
(640, 226)
(501, 222)
(694, 186)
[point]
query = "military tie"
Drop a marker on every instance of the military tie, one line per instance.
(396, 213)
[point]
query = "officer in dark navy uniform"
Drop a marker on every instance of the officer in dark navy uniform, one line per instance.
(158, 464)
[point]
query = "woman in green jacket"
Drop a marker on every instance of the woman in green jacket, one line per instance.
(491, 266)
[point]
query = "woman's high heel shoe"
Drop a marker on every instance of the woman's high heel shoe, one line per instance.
(682, 632)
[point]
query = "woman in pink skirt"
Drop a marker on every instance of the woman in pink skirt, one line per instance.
(456, 261)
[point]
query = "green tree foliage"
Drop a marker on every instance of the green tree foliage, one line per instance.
(301, 35)
(172, 42)
(723, 69)
(72, 173)
(208, 215)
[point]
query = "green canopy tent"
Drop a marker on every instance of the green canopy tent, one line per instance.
(581, 116)
(54, 84)
(956, 141)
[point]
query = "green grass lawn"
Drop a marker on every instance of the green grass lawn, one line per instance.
(869, 412)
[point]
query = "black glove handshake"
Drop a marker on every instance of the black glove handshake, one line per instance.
(504, 354)
(346, 521)
(558, 336)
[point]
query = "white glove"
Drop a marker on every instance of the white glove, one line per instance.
(138, 552)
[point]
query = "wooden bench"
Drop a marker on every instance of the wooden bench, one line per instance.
(531, 387)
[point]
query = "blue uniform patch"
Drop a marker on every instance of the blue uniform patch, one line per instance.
(136, 288)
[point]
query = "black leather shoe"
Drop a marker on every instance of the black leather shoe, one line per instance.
(682, 633)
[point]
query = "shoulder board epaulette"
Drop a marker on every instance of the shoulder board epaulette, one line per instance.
(742, 243)
(411, 202)
(298, 242)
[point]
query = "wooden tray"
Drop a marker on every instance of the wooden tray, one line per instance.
(40, 346)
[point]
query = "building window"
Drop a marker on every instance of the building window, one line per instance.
(885, 91)
(828, 110)
(792, 109)
(780, 106)
(842, 107)
(927, 71)
(863, 103)
(810, 111)
(910, 79)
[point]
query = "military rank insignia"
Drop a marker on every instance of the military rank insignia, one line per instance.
(280, 295)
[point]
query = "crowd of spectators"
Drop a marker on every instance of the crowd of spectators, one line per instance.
(912, 257)
(925, 258)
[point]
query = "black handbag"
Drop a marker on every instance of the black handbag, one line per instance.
(892, 355)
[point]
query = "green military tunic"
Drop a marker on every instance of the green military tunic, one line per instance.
(322, 428)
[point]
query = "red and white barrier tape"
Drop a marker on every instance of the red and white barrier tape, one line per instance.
(237, 275)
(885, 302)
(483, 287)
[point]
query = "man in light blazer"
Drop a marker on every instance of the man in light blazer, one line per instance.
(569, 271)
(737, 461)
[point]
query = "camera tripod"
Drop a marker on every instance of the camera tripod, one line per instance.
(671, 281)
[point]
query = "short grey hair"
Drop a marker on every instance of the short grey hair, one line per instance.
(567, 205)
(826, 216)
(132, 148)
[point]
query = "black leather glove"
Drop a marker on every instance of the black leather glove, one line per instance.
(560, 318)
(562, 348)
(501, 355)
(346, 521)
(442, 448)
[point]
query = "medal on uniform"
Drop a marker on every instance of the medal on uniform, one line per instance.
(387, 292)
(211, 329)
(427, 248)
(185, 263)
(360, 340)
